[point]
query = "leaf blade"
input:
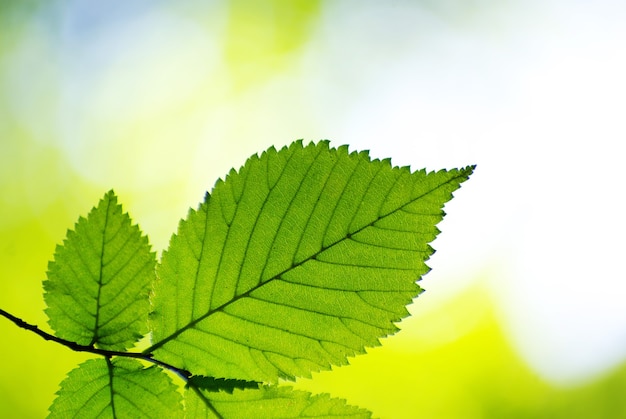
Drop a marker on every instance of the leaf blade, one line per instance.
(118, 388)
(99, 281)
(307, 221)
(267, 402)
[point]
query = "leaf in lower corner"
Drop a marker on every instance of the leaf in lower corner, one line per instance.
(267, 402)
(98, 284)
(304, 257)
(122, 388)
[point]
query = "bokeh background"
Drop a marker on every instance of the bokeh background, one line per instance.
(524, 313)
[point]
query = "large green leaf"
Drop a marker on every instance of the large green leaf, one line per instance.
(122, 388)
(302, 258)
(99, 282)
(267, 402)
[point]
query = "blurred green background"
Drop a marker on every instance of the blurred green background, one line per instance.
(523, 315)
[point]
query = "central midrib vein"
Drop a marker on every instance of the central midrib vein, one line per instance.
(97, 320)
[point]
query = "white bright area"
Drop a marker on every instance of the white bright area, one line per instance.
(535, 95)
(532, 92)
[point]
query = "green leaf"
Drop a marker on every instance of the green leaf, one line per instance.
(304, 257)
(220, 384)
(99, 282)
(122, 388)
(267, 402)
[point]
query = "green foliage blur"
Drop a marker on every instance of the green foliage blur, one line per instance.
(157, 100)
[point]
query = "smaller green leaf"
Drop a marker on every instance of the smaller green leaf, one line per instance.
(267, 402)
(100, 388)
(220, 384)
(99, 282)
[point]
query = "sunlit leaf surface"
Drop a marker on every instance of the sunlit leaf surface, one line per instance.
(98, 284)
(268, 402)
(122, 388)
(302, 258)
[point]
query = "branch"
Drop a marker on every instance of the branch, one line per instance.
(91, 349)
